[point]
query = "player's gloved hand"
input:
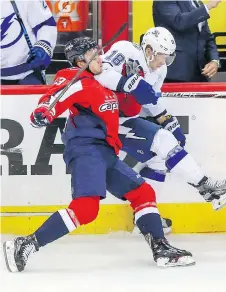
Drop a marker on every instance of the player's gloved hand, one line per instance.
(171, 124)
(134, 67)
(42, 56)
(139, 88)
(41, 116)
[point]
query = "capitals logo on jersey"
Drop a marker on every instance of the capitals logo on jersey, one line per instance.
(11, 31)
(110, 104)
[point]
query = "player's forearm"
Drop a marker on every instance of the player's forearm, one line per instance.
(72, 96)
(48, 34)
(153, 110)
(109, 79)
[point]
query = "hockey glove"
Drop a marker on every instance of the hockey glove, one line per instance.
(134, 67)
(139, 88)
(42, 56)
(171, 124)
(41, 117)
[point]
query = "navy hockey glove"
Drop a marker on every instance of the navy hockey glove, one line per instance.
(171, 124)
(134, 67)
(41, 117)
(139, 88)
(42, 58)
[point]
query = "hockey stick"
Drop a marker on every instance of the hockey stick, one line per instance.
(214, 94)
(40, 73)
(74, 80)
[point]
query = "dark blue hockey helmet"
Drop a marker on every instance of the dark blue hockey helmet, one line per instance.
(75, 49)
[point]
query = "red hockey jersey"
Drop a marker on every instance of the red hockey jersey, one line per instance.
(93, 109)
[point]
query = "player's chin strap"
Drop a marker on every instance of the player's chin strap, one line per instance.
(75, 79)
(150, 58)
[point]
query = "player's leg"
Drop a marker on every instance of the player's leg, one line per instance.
(137, 136)
(155, 176)
(88, 179)
(124, 183)
(179, 162)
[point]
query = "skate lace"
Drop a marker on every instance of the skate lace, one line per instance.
(27, 250)
(215, 183)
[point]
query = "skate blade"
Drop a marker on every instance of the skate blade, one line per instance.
(219, 204)
(181, 262)
(8, 249)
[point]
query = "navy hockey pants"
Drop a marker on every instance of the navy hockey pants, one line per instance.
(96, 168)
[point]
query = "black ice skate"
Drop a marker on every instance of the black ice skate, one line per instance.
(166, 255)
(213, 191)
(17, 252)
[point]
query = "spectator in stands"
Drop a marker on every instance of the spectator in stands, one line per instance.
(197, 58)
(24, 61)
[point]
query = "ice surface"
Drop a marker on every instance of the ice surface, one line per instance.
(119, 262)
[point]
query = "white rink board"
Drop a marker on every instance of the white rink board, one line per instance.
(206, 141)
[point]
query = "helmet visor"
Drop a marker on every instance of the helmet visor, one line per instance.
(170, 59)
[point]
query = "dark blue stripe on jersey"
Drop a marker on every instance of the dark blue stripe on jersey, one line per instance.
(49, 22)
(15, 70)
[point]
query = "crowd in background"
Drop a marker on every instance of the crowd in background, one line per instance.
(197, 57)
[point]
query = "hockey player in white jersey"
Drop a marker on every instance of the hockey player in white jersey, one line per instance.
(18, 65)
(152, 143)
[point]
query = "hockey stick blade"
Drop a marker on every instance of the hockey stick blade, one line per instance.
(74, 80)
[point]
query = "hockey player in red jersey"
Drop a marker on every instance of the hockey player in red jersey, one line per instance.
(91, 148)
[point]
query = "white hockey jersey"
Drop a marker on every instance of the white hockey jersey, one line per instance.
(113, 62)
(40, 25)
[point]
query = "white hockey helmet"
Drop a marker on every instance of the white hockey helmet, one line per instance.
(161, 41)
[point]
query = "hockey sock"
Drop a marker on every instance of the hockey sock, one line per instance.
(57, 225)
(147, 215)
(81, 211)
(150, 223)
